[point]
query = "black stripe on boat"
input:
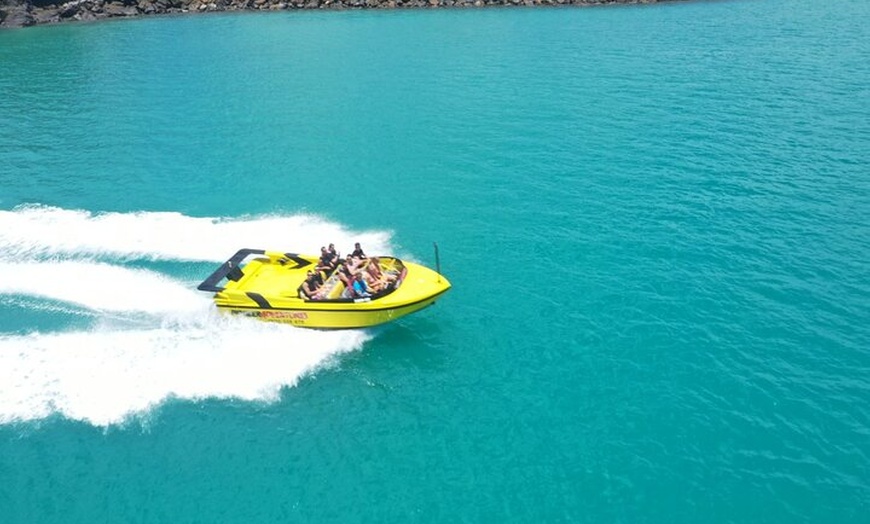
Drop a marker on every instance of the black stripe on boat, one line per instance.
(343, 310)
(258, 298)
(300, 262)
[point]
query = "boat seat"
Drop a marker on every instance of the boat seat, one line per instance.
(336, 291)
(332, 288)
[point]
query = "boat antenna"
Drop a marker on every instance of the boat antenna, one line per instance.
(437, 261)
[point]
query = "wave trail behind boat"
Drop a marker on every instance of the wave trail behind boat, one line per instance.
(106, 377)
(36, 231)
(149, 335)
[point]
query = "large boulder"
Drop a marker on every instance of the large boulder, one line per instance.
(15, 13)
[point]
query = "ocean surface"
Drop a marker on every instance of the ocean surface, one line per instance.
(656, 220)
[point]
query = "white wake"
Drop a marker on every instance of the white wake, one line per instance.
(40, 231)
(153, 336)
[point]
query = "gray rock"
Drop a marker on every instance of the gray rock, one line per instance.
(16, 16)
(20, 13)
(48, 15)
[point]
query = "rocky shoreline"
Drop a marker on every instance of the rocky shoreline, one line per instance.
(23, 13)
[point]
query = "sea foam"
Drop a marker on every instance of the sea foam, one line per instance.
(153, 336)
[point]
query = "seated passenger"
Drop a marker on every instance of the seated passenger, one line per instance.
(347, 270)
(359, 288)
(376, 278)
(375, 286)
(311, 286)
(357, 251)
(334, 254)
(326, 263)
(374, 269)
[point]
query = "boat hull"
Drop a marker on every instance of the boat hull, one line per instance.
(266, 285)
(331, 318)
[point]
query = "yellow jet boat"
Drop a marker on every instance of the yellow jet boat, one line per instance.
(267, 285)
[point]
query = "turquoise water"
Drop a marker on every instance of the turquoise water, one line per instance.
(655, 219)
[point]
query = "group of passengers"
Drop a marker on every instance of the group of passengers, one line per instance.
(362, 276)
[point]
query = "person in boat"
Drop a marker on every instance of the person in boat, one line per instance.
(347, 271)
(327, 262)
(371, 284)
(377, 279)
(358, 251)
(359, 288)
(311, 286)
(335, 258)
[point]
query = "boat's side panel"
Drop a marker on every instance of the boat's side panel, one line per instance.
(331, 319)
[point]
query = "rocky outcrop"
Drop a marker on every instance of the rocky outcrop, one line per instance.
(22, 13)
